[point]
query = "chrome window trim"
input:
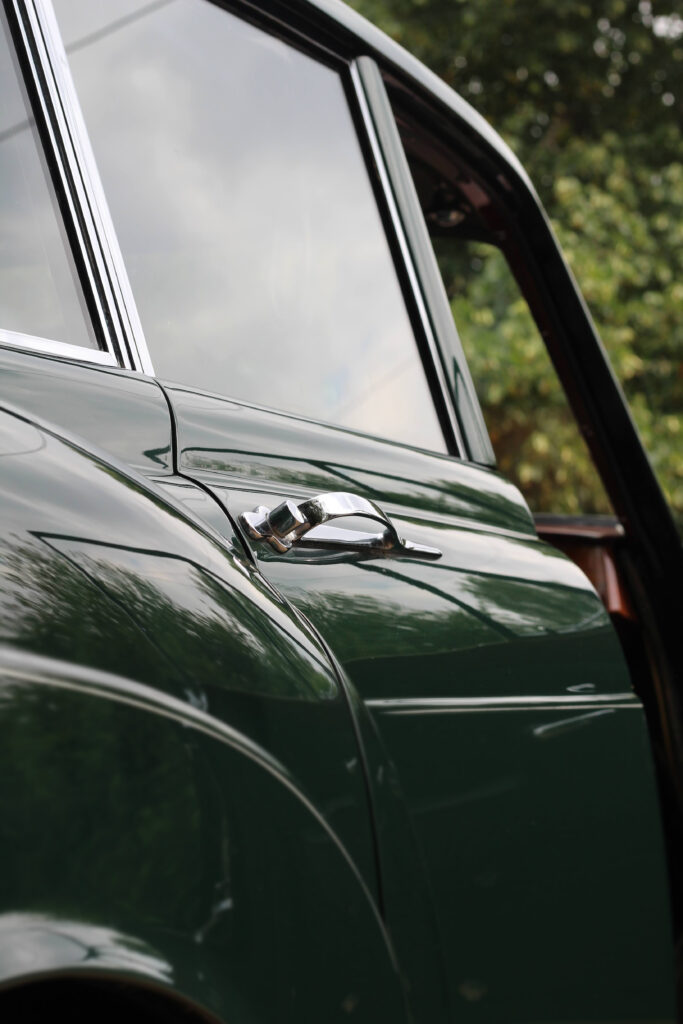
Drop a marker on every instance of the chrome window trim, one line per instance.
(61, 185)
(82, 189)
(446, 705)
(32, 343)
(416, 291)
(99, 249)
(444, 342)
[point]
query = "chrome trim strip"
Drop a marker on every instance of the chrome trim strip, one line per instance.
(459, 705)
(397, 225)
(534, 707)
(448, 346)
(31, 343)
(104, 247)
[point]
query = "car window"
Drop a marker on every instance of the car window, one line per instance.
(533, 431)
(40, 295)
(246, 215)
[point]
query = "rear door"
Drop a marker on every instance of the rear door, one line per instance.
(296, 329)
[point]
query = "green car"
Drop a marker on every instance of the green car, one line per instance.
(304, 715)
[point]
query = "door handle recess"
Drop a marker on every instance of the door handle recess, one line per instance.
(302, 525)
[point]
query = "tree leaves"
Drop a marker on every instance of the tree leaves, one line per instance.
(590, 96)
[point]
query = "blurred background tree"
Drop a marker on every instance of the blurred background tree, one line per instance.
(590, 97)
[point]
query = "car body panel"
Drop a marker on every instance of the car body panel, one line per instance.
(180, 853)
(542, 832)
(151, 569)
(499, 688)
(256, 446)
(481, 702)
(155, 693)
(118, 411)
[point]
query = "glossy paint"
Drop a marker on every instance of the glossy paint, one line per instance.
(501, 668)
(652, 557)
(183, 795)
(499, 690)
(117, 411)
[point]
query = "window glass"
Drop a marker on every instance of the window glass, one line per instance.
(533, 430)
(39, 292)
(246, 215)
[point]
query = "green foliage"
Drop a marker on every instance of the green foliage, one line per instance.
(621, 228)
(535, 437)
(590, 96)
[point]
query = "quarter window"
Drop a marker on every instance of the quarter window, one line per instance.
(40, 295)
(246, 215)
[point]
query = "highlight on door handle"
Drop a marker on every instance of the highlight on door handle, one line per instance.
(303, 525)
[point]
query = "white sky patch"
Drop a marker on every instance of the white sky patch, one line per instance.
(670, 26)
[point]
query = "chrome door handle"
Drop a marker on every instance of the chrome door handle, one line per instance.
(302, 525)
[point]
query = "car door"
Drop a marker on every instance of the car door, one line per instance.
(294, 323)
